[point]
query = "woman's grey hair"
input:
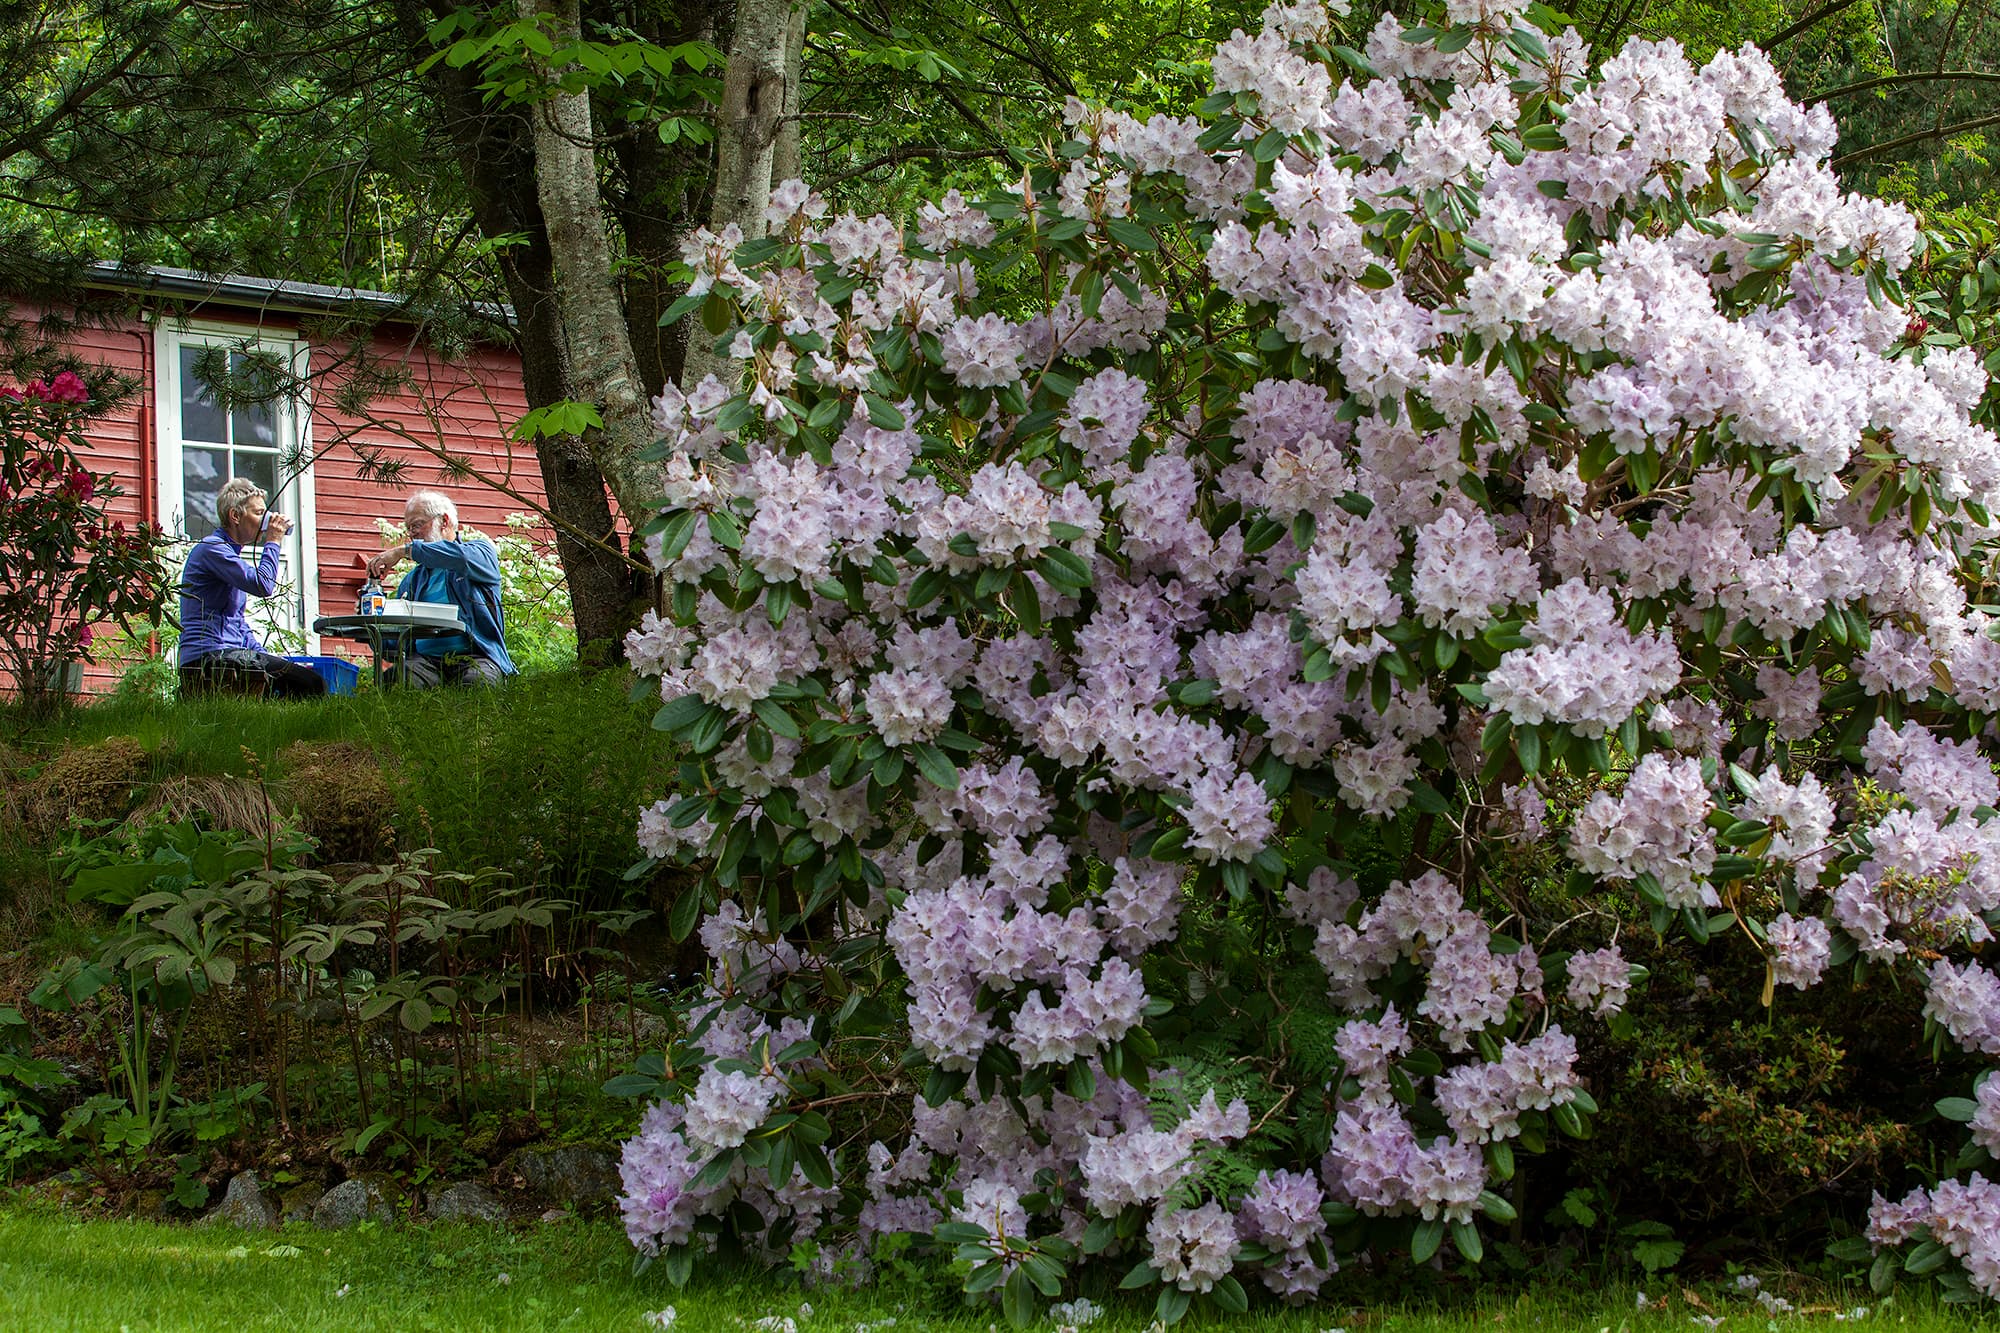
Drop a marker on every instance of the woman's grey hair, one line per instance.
(236, 495)
(431, 504)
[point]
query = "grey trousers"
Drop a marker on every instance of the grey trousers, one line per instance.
(429, 672)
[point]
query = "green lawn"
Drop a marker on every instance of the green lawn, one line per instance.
(60, 1273)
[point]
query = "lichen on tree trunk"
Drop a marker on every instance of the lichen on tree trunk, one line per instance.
(757, 141)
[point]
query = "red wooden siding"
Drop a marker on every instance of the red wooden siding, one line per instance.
(463, 407)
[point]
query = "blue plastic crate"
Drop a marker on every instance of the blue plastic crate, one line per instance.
(339, 674)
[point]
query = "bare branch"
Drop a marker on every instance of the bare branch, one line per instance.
(1943, 75)
(912, 153)
(1941, 132)
(1811, 20)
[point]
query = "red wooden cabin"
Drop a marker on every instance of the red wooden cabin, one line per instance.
(171, 447)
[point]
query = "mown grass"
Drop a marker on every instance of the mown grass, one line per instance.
(60, 1272)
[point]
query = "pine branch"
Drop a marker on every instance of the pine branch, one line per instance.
(1786, 34)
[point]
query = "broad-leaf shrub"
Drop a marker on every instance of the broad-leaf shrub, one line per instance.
(1424, 424)
(66, 565)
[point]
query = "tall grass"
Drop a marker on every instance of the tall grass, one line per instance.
(205, 736)
(541, 777)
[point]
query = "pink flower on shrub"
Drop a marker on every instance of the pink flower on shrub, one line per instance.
(67, 388)
(1800, 950)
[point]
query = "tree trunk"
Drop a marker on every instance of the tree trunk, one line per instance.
(759, 88)
(494, 150)
(658, 193)
(602, 368)
(760, 79)
(787, 155)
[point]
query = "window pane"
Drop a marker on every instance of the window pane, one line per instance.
(262, 469)
(256, 424)
(202, 473)
(201, 418)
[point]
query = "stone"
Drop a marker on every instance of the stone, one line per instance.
(324, 1011)
(299, 1203)
(246, 1205)
(91, 782)
(350, 1202)
(467, 1201)
(574, 1173)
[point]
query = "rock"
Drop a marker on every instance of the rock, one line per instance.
(572, 1174)
(88, 782)
(299, 1203)
(245, 1204)
(340, 791)
(467, 1201)
(352, 1201)
(61, 1191)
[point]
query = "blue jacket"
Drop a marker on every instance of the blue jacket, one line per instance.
(216, 585)
(472, 580)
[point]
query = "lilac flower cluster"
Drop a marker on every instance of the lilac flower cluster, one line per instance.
(1282, 1213)
(1800, 950)
(1483, 1102)
(1583, 669)
(1471, 983)
(1600, 981)
(1963, 1216)
(1965, 1002)
(1985, 1124)
(1931, 866)
(1656, 827)
(660, 1203)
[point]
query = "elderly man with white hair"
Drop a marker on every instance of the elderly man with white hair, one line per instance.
(218, 649)
(446, 569)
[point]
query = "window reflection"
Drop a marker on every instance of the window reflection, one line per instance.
(202, 473)
(201, 417)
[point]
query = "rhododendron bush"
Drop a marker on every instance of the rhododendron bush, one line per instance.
(1425, 431)
(66, 565)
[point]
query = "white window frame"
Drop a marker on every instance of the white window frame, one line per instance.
(294, 424)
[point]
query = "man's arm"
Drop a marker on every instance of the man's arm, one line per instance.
(477, 560)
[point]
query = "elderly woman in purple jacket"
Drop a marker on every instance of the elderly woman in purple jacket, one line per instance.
(217, 643)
